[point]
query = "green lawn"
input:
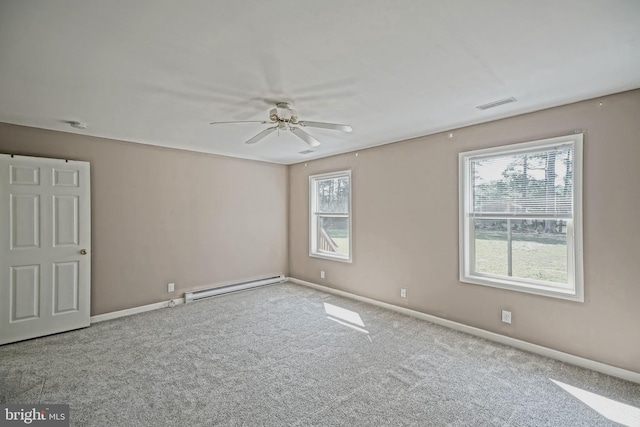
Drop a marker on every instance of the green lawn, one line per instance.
(535, 256)
(541, 256)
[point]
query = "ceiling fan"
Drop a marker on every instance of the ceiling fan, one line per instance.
(283, 117)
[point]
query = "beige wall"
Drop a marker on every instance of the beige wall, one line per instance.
(161, 215)
(405, 231)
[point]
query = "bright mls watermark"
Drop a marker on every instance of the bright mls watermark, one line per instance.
(34, 415)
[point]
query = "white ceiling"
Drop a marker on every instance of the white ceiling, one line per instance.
(158, 71)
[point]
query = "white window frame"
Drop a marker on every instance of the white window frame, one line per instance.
(314, 217)
(575, 288)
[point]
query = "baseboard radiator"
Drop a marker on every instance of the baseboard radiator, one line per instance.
(211, 292)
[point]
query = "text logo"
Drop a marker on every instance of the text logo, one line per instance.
(34, 415)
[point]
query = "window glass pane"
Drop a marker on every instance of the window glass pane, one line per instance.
(538, 182)
(333, 235)
(538, 249)
(491, 246)
(333, 195)
(540, 252)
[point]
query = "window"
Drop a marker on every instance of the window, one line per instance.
(330, 215)
(521, 217)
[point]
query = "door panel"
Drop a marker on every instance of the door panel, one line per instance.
(65, 220)
(65, 178)
(25, 292)
(65, 287)
(25, 220)
(24, 175)
(45, 242)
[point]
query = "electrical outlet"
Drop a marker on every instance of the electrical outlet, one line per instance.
(322, 274)
(403, 293)
(506, 316)
(171, 287)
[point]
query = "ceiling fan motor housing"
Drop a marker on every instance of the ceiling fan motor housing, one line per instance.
(283, 113)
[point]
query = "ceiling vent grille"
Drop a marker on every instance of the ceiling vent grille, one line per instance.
(306, 152)
(496, 103)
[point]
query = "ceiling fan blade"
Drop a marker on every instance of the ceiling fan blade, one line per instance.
(261, 135)
(239, 121)
(332, 126)
(305, 137)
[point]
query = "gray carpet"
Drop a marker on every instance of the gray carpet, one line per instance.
(273, 357)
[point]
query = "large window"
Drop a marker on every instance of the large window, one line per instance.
(330, 212)
(521, 217)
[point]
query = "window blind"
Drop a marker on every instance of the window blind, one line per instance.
(529, 184)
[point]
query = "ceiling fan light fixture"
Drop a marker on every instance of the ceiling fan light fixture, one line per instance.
(284, 112)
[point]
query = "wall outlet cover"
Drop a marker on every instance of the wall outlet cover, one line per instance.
(506, 316)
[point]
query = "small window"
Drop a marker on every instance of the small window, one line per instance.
(521, 217)
(330, 216)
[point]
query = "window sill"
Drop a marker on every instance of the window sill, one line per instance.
(330, 257)
(548, 291)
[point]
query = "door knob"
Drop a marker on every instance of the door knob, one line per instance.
(83, 251)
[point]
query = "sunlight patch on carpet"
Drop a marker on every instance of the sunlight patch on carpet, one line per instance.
(343, 314)
(618, 412)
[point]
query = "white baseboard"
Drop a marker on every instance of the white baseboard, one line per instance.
(135, 310)
(492, 336)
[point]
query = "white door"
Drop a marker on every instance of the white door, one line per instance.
(45, 241)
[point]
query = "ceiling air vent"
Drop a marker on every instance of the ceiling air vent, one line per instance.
(306, 152)
(496, 103)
